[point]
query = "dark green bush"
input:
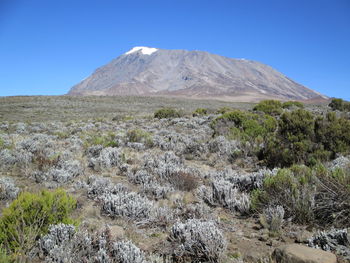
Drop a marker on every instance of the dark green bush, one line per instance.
(244, 125)
(2, 143)
(333, 133)
(294, 137)
(223, 110)
(296, 130)
(30, 215)
(339, 104)
(200, 112)
(272, 107)
(167, 113)
(291, 104)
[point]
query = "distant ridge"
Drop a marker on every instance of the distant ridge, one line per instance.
(149, 71)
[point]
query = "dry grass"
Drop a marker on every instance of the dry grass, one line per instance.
(63, 108)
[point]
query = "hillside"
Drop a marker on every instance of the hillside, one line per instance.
(191, 74)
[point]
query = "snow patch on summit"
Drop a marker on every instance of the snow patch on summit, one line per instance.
(144, 50)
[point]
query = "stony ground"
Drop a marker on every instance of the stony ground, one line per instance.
(143, 177)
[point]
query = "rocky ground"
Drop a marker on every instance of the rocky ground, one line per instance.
(160, 186)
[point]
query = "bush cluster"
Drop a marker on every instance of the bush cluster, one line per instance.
(167, 113)
(141, 136)
(339, 104)
(293, 189)
(200, 112)
(308, 195)
(64, 244)
(244, 125)
(106, 140)
(275, 107)
(293, 137)
(30, 216)
(304, 138)
(197, 241)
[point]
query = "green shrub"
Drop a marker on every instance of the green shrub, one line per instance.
(293, 142)
(308, 195)
(294, 137)
(339, 104)
(333, 133)
(138, 135)
(4, 257)
(106, 140)
(244, 125)
(291, 104)
(272, 107)
(223, 110)
(30, 215)
(167, 113)
(291, 188)
(200, 112)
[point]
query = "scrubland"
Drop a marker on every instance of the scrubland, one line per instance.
(136, 179)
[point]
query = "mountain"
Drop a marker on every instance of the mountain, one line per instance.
(192, 74)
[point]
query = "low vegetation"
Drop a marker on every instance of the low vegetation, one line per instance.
(167, 113)
(159, 184)
(200, 112)
(313, 195)
(30, 215)
(339, 104)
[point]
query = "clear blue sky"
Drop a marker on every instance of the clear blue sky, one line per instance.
(47, 46)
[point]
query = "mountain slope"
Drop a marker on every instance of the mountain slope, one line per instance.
(195, 74)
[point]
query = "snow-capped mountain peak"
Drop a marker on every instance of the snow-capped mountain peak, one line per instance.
(197, 74)
(144, 50)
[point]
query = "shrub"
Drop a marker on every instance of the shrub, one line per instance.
(8, 189)
(44, 162)
(243, 125)
(295, 137)
(30, 215)
(303, 138)
(272, 218)
(339, 104)
(292, 104)
(126, 204)
(223, 110)
(138, 135)
(106, 140)
(333, 133)
(106, 158)
(64, 244)
(183, 181)
(336, 240)
(166, 113)
(197, 241)
(200, 112)
(227, 195)
(332, 201)
(64, 172)
(271, 107)
(293, 189)
(57, 235)
(2, 143)
(293, 141)
(127, 252)
(4, 257)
